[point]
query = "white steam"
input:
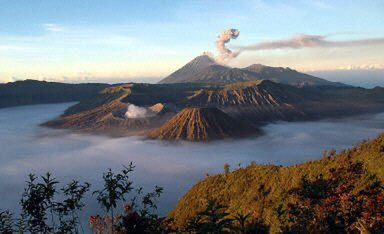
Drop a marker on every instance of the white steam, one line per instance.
(225, 54)
(134, 112)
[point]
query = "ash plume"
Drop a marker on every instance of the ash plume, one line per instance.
(309, 41)
(225, 54)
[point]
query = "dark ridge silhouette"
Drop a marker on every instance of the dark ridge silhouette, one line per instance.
(42, 92)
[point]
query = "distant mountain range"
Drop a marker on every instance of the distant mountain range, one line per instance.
(39, 92)
(204, 69)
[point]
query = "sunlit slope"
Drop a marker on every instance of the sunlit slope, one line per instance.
(261, 189)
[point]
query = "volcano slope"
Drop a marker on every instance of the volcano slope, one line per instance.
(267, 192)
(202, 124)
(254, 103)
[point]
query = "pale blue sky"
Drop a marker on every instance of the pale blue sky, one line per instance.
(75, 40)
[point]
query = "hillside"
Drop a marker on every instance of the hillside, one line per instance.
(263, 190)
(201, 124)
(39, 92)
(204, 69)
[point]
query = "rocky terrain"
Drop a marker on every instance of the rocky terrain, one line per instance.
(202, 124)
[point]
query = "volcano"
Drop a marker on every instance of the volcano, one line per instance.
(204, 69)
(202, 124)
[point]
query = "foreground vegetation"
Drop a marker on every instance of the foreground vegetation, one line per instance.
(338, 194)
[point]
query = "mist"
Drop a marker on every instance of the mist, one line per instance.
(26, 147)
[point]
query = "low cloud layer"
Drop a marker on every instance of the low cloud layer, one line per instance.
(310, 41)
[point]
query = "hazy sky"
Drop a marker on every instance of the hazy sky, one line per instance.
(77, 40)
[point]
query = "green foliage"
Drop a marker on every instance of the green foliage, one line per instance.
(67, 209)
(6, 222)
(142, 217)
(37, 202)
(213, 219)
(41, 212)
(139, 214)
(116, 188)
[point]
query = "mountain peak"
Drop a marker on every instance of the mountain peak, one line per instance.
(201, 61)
(190, 69)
